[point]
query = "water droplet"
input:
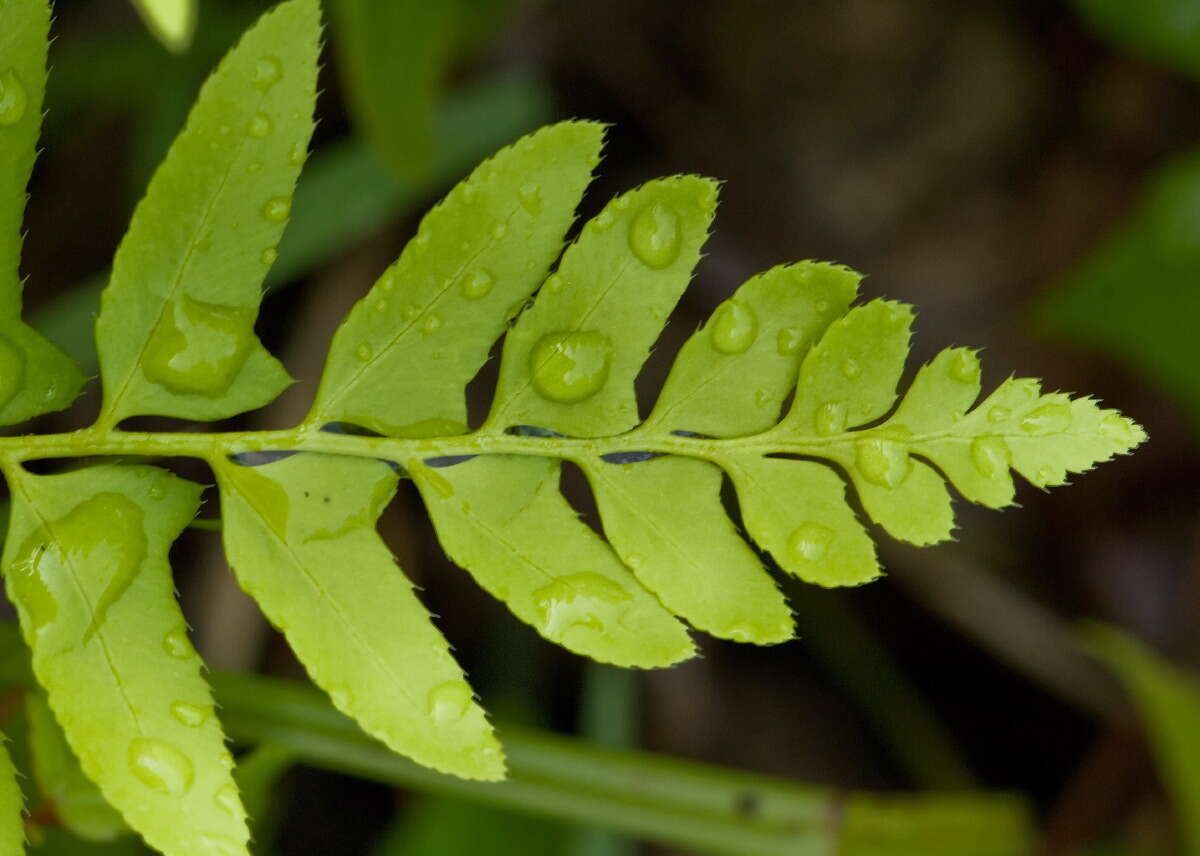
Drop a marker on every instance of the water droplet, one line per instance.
(569, 367)
(421, 241)
(789, 341)
(342, 698)
(882, 461)
(633, 560)
(227, 800)
(431, 324)
(199, 348)
(267, 72)
(964, 367)
(823, 306)
(999, 414)
(160, 766)
(156, 492)
(277, 210)
(469, 193)
(188, 714)
(1046, 475)
(363, 352)
(448, 703)
(203, 243)
(621, 203)
(810, 541)
(990, 456)
(1118, 429)
(762, 398)
(555, 283)
(830, 418)
(260, 126)
(654, 236)
(380, 305)
(176, 644)
(531, 199)
(602, 221)
(851, 369)
(734, 327)
(253, 167)
(477, 284)
(14, 100)
(388, 283)
(12, 371)
(499, 231)
(579, 600)
(269, 256)
(298, 155)
(412, 312)
(1050, 418)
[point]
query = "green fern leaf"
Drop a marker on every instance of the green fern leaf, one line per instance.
(85, 562)
(12, 830)
(173, 22)
(176, 326)
(300, 535)
(35, 377)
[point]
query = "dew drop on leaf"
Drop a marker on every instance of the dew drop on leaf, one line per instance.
(431, 324)
(269, 256)
(188, 714)
(654, 236)
(277, 210)
(198, 348)
(477, 284)
(789, 341)
(882, 461)
(810, 541)
(579, 600)
(569, 367)
(830, 418)
(999, 414)
(228, 801)
(267, 72)
(990, 456)
(964, 367)
(260, 126)
(602, 221)
(734, 328)
(1047, 419)
(160, 766)
(448, 702)
(499, 231)
(412, 312)
(363, 352)
(176, 644)
(530, 197)
(253, 167)
(12, 371)
(555, 283)
(298, 155)
(762, 398)
(851, 369)
(14, 100)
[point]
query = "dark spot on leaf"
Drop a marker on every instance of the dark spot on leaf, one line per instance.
(747, 804)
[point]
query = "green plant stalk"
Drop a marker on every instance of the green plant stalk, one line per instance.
(675, 803)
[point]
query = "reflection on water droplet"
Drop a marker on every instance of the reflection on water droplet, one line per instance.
(188, 714)
(531, 199)
(477, 284)
(555, 283)
(851, 369)
(448, 703)
(999, 414)
(363, 352)
(277, 210)
(569, 367)
(298, 155)
(227, 800)
(810, 541)
(830, 418)
(733, 328)
(633, 560)
(156, 492)
(160, 766)
(431, 324)
(789, 341)
(176, 644)
(198, 348)
(964, 367)
(412, 312)
(579, 600)
(1048, 419)
(654, 236)
(269, 256)
(882, 461)
(260, 126)
(14, 100)
(990, 456)
(12, 371)
(267, 72)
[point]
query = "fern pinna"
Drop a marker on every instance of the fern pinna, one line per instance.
(85, 560)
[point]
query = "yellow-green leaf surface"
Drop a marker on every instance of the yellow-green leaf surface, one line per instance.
(1168, 701)
(35, 377)
(85, 562)
(176, 327)
(173, 22)
(75, 799)
(300, 534)
(12, 829)
(400, 361)
(505, 520)
(392, 54)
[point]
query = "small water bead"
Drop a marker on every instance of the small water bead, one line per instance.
(224, 130)
(14, 100)
(267, 72)
(431, 324)
(156, 492)
(1048, 419)
(269, 256)
(363, 352)
(298, 155)
(380, 305)
(530, 197)
(449, 702)
(831, 418)
(277, 210)
(789, 341)
(823, 306)
(964, 367)
(253, 167)
(477, 284)
(762, 398)
(191, 715)
(602, 221)
(12, 370)
(227, 800)
(810, 541)
(579, 600)
(499, 231)
(733, 328)
(1045, 476)
(176, 644)
(160, 766)
(882, 461)
(421, 242)
(655, 236)
(570, 366)
(260, 126)
(999, 414)
(555, 283)
(388, 283)
(851, 369)
(990, 456)
(411, 312)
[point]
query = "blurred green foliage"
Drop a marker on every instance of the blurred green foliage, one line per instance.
(1167, 31)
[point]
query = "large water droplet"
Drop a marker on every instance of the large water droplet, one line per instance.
(160, 766)
(191, 715)
(531, 199)
(477, 284)
(448, 703)
(260, 126)
(733, 327)
(882, 460)
(654, 236)
(964, 367)
(579, 600)
(789, 341)
(830, 418)
(990, 456)
(198, 348)
(1048, 419)
(12, 371)
(176, 644)
(810, 541)
(277, 210)
(569, 367)
(267, 72)
(14, 100)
